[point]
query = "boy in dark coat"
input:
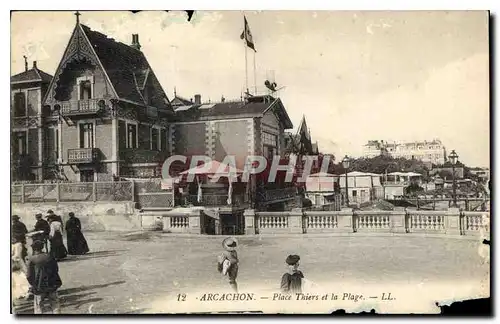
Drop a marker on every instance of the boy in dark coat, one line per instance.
(291, 282)
(43, 276)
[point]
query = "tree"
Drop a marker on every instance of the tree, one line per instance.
(413, 189)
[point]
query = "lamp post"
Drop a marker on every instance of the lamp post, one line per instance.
(345, 163)
(453, 159)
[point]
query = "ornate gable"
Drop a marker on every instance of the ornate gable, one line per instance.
(78, 49)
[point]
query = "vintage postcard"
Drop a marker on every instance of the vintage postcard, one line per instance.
(291, 162)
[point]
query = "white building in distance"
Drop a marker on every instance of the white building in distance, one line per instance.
(432, 152)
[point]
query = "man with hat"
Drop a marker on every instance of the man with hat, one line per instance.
(42, 225)
(43, 276)
(19, 232)
(291, 281)
(51, 214)
(228, 261)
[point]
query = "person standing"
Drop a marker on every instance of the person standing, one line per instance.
(57, 248)
(19, 284)
(77, 245)
(42, 225)
(291, 281)
(19, 232)
(228, 261)
(43, 276)
(51, 213)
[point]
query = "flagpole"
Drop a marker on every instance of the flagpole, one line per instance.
(254, 73)
(246, 67)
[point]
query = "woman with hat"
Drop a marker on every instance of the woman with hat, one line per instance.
(228, 261)
(291, 281)
(57, 248)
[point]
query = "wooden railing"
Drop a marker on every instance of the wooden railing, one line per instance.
(73, 191)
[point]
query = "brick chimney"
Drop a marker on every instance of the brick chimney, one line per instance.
(34, 65)
(197, 99)
(135, 42)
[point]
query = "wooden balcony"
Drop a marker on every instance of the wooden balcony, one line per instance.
(81, 107)
(83, 155)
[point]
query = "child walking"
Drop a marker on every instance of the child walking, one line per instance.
(227, 262)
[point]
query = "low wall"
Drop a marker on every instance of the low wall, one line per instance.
(450, 222)
(182, 222)
(94, 216)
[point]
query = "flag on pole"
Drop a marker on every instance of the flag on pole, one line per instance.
(199, 190)
(247, 35)
(230, 192)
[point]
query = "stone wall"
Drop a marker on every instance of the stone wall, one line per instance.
(94, 216)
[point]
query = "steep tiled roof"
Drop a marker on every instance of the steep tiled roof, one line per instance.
(180, 101)
(126, 67)
(32, 75)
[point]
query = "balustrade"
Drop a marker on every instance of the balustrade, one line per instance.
(476, 221)
(272, 221)
(321, 221)
(373, 222)
(179, 222)
(425, 221)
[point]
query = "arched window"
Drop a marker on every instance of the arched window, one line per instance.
(19, 104)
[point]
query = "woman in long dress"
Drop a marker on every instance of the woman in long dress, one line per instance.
(20, 285)
(77, 245)
(57, 248)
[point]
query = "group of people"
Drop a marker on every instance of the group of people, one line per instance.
(37, 275)
(292, 281)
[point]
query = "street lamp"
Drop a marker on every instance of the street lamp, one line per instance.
(345, 163)
(453, 159)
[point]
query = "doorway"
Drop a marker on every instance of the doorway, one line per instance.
(86, 175)
(232, 224)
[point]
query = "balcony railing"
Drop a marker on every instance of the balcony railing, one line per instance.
(81, 107)
(83, 155)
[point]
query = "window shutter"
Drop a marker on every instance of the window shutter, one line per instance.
(122, 135)
(163, 136)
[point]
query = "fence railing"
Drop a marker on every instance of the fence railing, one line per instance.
(70, 191)
(469, 204)
(450, 222)
(155, 200)
(215, 200)
(279, 194)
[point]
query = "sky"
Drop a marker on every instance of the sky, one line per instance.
(356, 76)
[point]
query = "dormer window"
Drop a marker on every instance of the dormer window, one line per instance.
(85, 86)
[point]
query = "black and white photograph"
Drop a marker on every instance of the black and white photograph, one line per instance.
(256, 162)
